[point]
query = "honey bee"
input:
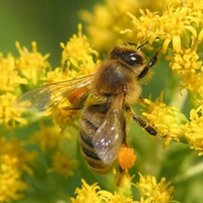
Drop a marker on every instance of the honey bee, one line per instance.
(103, 123)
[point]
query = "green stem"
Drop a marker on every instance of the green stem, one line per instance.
(190, 172)
(179, 97)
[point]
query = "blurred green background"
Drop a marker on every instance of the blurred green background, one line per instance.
(51, 22)
(44, 21)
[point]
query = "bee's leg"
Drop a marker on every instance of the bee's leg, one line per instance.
(151, 63)
(141, 122)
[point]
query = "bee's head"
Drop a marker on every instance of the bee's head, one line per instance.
(129, 56)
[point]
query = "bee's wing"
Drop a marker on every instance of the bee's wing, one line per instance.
(110, 135)
(49, 96)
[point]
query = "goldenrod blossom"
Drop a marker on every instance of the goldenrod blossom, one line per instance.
(120, 198)
(172, 21)
(172, 25)
(11, 184)
(78, 57)
(15, 148)
(107, 20)
(194, 130)
(9, 77)
(167, 120)
(32, 64)
(47, 137)
(91, 193)
(152, 191)
(63, 164)
(14, 161)
(188, 65)
(9, 115)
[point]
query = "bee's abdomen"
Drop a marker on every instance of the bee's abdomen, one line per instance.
(91, 119)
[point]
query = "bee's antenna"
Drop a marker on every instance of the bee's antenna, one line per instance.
(143, 44)
(134, 44)
(130, 43)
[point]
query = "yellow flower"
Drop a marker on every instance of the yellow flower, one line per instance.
(194, 130)
(9, 115)
(63, 164)
(172, 21)
(78, 56)
(168, 121)
(90, 193)
(107, 20)
(64, 117)
(149, 189)
(9, 77)
(93, 193)
(171, 25)
(78, 59)
(186, 61)
(11, 184)
(15, 149)
(124, 183)
(188, 64)
(152, 191)
(47, 137)
(32, 64)
(120, 198)
(57, 75)
(14, 161)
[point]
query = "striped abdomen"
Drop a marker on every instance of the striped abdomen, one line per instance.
(91, 120)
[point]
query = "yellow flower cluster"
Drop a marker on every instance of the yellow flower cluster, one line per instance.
(78, 59)
(14, 161)
(194, 130)
(9, 78)
(63, 164)
(173, 24)
(47, 137)
(27, 69)
(168, 121)
(9, 115)
(107, 20)
(149, 189)
(32, 69)
(93, 193)
(77, 55)
(188, 64)
(171, 124)
(152, 191)
(11, 184)
(25, 72)
(32, 65)
(170, 21)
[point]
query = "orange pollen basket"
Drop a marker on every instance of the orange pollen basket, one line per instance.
(126, 157)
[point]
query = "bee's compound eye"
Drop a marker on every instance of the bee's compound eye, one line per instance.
(133, 58)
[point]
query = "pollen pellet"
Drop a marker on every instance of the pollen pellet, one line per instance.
(126, 157)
